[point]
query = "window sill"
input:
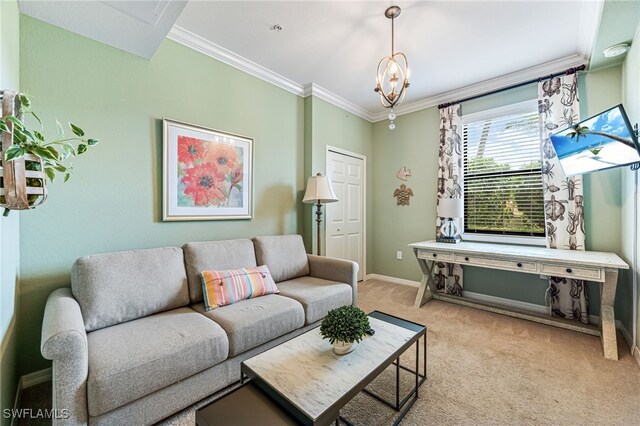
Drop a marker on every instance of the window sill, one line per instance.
(505, 239)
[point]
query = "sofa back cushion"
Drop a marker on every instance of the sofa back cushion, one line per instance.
(215, 256)
(117, 287)
(284, 255)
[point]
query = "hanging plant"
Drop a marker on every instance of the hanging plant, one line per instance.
(29, 155)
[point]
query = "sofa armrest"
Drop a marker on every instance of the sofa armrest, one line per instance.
(328, 268)
(64, 341)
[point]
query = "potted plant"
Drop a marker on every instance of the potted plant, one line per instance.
(29, 157)
(344, 327)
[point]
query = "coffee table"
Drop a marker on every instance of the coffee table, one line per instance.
(312, 384)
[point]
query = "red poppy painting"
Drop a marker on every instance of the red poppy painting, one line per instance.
(207, 174)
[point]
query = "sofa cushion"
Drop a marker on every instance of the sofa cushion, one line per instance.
(215, 256)
(117, 287)
(284, 255)
(317, 296)
(223, 288)
(252, 322)
(128, 361)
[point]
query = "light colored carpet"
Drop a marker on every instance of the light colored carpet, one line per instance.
(489, 369)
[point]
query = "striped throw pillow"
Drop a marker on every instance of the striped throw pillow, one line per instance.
(222, 288)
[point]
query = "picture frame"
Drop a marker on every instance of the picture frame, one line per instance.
(207, 174)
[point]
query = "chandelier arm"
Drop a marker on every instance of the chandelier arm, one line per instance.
(390, 76)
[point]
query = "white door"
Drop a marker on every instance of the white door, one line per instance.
(346, 218)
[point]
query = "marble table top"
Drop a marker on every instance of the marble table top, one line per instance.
(306, 372)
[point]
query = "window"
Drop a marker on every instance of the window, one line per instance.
(502, 172)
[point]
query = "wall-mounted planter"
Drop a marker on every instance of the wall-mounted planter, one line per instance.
(22, 181)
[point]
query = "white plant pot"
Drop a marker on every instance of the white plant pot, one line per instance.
(342, 348)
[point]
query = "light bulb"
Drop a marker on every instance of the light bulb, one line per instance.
(393, 68)
(392, 116)
(392, 126)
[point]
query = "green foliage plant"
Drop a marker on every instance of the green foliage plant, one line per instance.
(55, 153)
(346, 324)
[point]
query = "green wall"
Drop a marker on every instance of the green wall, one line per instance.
(329, 125)
(113, 201)
(598, 91)
(414, 143)
(9, 226)
(630, 213)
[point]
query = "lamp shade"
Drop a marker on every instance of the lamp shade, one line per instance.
(319, 190)
(450, 207)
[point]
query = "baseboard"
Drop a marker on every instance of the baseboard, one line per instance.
(636, 355)
(27, 381)
(625, 333)
(36, 378)
(394, 280)
(17, 403)
(500, 301)
(506, 303)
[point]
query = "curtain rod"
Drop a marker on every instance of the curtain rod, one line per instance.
(568, 71)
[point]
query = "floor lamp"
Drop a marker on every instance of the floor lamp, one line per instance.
(319, 191)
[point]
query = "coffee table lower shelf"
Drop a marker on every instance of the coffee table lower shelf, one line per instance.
(244, 406)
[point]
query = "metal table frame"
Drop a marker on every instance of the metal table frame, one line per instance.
(332, 414)
(401, 406)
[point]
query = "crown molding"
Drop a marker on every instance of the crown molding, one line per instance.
(487, 85)
(590, 17)
(206, 47)
(312, 89)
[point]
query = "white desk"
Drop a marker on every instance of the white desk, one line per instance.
(586, 265)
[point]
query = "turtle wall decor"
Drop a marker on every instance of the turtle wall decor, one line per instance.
(403, 195)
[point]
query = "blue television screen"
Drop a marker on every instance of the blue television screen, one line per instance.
(600, 142)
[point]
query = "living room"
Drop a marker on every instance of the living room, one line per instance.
(297, 80)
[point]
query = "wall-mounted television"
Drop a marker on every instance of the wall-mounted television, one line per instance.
(601, 142)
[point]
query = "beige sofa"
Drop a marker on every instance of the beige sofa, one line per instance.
(131, 342)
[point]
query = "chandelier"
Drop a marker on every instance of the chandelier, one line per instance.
(392, 78)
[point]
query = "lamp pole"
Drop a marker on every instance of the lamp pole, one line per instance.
(319, 220)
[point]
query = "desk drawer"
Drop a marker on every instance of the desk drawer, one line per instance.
(577, 273)
(438, 256)
(489, 262)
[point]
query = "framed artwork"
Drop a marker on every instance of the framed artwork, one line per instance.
(207, 174)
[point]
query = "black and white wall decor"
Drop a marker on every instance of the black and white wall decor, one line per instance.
(448, 277)
(559, 107)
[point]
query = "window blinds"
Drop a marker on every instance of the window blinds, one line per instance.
(502, 175)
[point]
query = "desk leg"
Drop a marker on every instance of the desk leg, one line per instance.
(427, 285)
(607, 315)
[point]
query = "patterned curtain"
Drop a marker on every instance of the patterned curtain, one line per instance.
(448, 276)
(559, 107)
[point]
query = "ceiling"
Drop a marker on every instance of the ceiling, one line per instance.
(331, 48)
(137, 27)
(449, 44)
(618, 24)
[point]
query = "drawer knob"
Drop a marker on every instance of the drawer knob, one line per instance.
(519, 265)
(435, 255)
(569, 270)
(466, 258)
